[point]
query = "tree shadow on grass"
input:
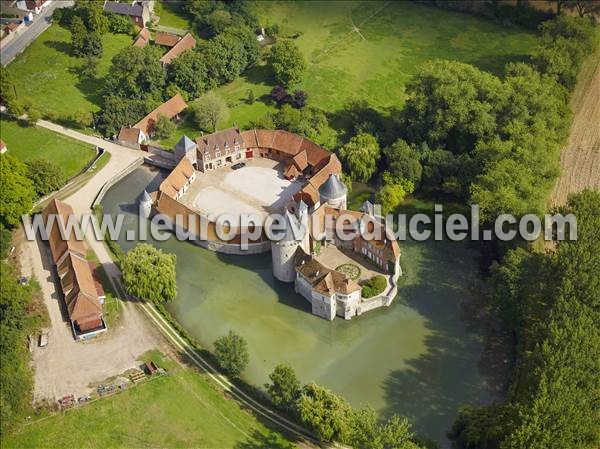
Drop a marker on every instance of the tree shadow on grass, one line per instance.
(496, 63)
(259, 440)
(260, 74)
(63, 47)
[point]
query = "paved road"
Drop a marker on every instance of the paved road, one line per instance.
(40, 23)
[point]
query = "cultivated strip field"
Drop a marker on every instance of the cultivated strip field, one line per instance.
(580, 159)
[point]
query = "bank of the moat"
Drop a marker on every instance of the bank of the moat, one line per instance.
(416, 357)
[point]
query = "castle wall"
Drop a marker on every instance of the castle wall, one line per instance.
(323, 306)
(284, 267)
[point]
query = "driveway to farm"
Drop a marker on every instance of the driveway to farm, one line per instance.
(580, 159)
(66, 366)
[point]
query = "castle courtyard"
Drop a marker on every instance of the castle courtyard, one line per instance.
(333, 257)
(258, 188)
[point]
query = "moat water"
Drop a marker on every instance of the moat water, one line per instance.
(419, 357)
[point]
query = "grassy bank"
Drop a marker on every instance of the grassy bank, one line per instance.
(30, 142)
(178, 410)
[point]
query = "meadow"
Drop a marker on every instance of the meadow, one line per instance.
(370, 50)
(180, 409)
(30, 142)
(48, 74)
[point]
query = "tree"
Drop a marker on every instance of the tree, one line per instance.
(251, 98)
(360, 156)
(78, 33)
(285, 387)
(403, 162)
(164, 127)
(299, 99)
(118, 112)
(231, 352)
(218, 21)
(288, 63)
(17, 198)
(149, 274)
(118, 23)
(390, 196)
(16, 322)
(208, 111)
(89, 69)
(452, 104)
(325, 413)
(369, 433)
(227, 55)
(93, 16)
(136, 73)
(92, 45)
(45, 175)
(280, 95)
(583, 7)
(189, 73)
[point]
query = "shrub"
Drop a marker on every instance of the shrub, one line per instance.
(374, 286)
(231, 352)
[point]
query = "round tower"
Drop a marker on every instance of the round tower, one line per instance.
(284, 250)
(145, 205)
(333, 192)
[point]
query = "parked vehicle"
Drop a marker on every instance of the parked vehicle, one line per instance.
(238, 165)
(43, 340)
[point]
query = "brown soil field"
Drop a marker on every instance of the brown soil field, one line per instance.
(580, 158)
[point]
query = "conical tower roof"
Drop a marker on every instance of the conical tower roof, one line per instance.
(146, 197)
(333, 188)
(185, 144)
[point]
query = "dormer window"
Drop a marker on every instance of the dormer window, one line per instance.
(207, 156)
(218, 154)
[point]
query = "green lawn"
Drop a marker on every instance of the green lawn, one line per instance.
(172, 14)
(178, 410)
(27, 143)
(395, 39)
(47, 73)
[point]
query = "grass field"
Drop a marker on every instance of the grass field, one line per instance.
(172, 15)
(177, 410)
(27, 143)
(47, 73)
(395, 39)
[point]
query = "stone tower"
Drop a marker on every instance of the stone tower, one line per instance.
(284, 250)
(333, 192)
(186, 147)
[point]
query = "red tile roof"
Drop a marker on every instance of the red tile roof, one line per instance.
(186, 43)
(129, 134)
(166, 39)
(169, 109)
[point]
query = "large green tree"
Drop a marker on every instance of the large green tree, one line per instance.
(136, 73)
(360, 156)
(18, 190)
(208, 111)
(288, 63)
(231, 352)
(189, 73)
(403, 162)
(285, 387)
(149, 274)
(325, 413)
(45, 175)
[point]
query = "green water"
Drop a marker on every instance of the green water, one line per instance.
(416, 357)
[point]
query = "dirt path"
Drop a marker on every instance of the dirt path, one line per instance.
(580, 159)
